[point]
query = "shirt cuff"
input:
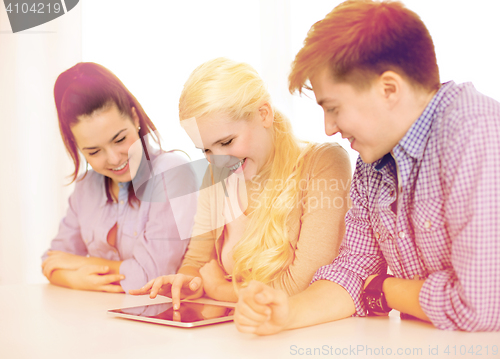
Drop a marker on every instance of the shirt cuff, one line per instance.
(135, 277)
(348, 280)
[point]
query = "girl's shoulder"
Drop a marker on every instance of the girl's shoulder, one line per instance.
(89, 189)
(326, 154)
(89, 181)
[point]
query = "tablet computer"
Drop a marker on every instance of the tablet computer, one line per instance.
(189, 314)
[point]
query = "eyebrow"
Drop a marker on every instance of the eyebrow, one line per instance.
(216, 142)
(114, 137)
(323, 100)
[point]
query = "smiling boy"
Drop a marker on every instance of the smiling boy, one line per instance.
(425, 196)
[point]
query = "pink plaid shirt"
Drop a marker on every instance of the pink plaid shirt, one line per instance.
(446, 227)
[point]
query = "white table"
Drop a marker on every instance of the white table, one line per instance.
(45, 321)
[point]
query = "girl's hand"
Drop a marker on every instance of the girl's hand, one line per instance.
(213, 277)
(62, 260)
(176, 286)
(261, 309)
(95, 277)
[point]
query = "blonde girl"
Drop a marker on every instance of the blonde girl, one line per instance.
(272, 207)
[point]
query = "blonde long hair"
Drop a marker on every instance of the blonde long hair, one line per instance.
(236, 89)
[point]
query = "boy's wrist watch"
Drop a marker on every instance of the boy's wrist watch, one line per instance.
(374, 298)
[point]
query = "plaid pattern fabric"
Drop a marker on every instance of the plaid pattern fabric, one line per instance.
(446, 227)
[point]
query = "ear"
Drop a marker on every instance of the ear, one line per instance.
(390, 87)
(266, 115)
(135, 118)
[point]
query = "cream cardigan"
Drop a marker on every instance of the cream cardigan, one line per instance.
(316, 224)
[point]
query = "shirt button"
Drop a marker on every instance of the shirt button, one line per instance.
(121, 202)
(85, 240)
(427, 224)
(392, 194)
(401, 234)
(135, 233)
(377, 235)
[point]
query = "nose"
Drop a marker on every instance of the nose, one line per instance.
(331, 127)
(114, 157)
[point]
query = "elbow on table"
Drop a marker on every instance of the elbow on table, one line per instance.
(473, 320)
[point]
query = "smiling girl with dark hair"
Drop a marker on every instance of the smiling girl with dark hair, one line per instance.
(110, 239)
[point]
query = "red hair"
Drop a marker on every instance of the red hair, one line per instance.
(361, 39)
(88, 87)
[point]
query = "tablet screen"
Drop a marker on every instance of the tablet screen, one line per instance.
(188, 315)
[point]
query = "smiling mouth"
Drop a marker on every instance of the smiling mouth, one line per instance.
(350, 139)
(237, 165)
(121, 167)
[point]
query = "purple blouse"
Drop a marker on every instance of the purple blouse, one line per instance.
(151, 236)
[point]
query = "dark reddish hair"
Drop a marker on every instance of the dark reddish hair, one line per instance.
(361, 39)
(88, 87)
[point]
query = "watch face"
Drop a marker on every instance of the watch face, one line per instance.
(374, 304)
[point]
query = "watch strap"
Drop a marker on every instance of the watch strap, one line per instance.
(374, 297)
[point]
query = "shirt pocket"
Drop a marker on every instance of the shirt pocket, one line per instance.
(130, 228)
(431, 233)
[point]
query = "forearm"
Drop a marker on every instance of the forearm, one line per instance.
(189, 270)
(114, 266)
(224, 292)
(88, 277)
(323, 301)
(62, 278)
(403, 295)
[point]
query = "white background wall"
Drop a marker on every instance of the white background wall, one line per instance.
(33, 164)
(152, 46)
(153, 49)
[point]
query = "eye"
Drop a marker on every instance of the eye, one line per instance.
(226, 143)
(93, 153)
(331, 110)
(205, 151)
(121, 139)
